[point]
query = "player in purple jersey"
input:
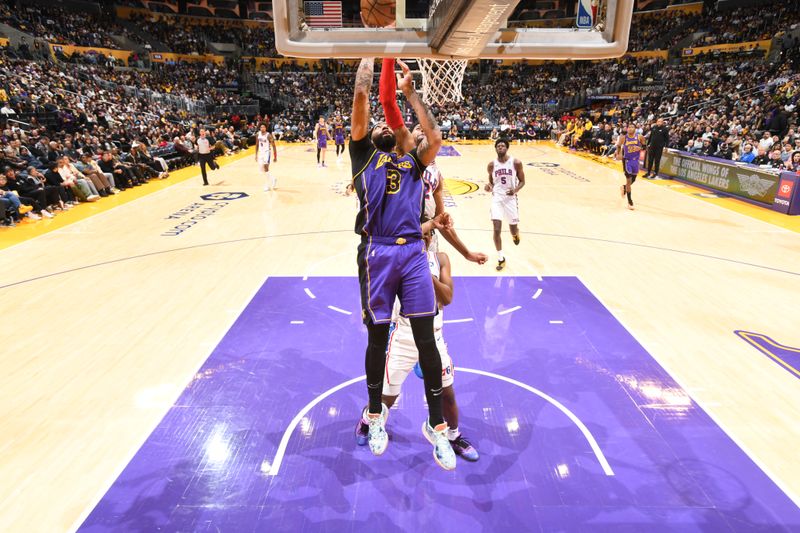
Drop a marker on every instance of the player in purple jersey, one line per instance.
(321, 136)
(338, 136)
(392, 262)
(629, 146)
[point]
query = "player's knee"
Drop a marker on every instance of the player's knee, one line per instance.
(376, 348)
(449, 395)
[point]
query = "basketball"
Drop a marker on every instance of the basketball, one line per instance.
(377, 13)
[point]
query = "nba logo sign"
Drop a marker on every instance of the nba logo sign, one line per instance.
(587, 12)
(785, 188)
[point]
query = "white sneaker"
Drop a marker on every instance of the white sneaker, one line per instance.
(377, 437)
(33, 216)
(443, 452)
(46, 213)
(92, 198)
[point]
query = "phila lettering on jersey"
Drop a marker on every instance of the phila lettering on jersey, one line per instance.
(504, 176)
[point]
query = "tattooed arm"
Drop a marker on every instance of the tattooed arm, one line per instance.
(359, 123)
(429, 147)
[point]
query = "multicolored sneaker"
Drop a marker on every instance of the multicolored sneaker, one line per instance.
(443, 452)
(377, 437)
(501, 264)
(515, 238)
(465, 449)
(362, 432)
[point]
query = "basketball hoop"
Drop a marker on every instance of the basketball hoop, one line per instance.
(441, 80)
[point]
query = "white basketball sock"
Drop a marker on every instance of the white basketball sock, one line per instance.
(500, 255)
(453, 434)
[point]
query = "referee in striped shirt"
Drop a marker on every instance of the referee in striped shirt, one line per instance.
(204, 155)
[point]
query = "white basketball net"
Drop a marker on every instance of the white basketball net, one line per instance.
(441, 80)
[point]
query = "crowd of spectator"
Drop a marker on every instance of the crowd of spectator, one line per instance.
(747, 114)
(59, 26)
(96, 130)
(76, 133)
(176, 34)
(256, 41)
(660, 30)
(747, 23)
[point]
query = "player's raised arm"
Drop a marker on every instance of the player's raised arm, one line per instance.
(429, 147)
(386, 94)
(449, 232)
(359, 120)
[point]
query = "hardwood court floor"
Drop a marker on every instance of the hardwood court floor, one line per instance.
(107, 319)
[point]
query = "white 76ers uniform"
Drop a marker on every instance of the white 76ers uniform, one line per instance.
(431, 179)
(402, 354)
(504, 177)
(264, 154)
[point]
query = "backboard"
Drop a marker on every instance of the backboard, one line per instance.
(460, 29)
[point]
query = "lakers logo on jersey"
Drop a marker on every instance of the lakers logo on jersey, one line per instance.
(387, 158)
(632, 145)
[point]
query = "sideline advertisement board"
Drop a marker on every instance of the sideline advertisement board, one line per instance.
(778, 191)
(787, 199)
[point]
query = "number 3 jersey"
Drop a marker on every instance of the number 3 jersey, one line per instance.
(390, 191)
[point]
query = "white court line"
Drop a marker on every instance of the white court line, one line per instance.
(115, 209)
(457, 320)
(287, 434)
(780, 484)
(146, 434)
(537, 293)
(297, 322)
(507, 311)
(310, 270)
(276, 464)
(339, 310)
(538, 277)
(556, 321)
(310, 294)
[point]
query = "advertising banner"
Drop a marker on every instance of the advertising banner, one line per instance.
(165, 57)
(787, 199)
(744, 181)
(68, 50)
(731, 47)
(660, 54)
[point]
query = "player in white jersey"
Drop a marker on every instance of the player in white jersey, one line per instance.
(265, 141)
(506, 178)
(434, 202)
(402, 356)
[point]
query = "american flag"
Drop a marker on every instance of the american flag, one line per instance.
(324, 14)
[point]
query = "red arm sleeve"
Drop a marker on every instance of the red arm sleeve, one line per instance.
(386, 93)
